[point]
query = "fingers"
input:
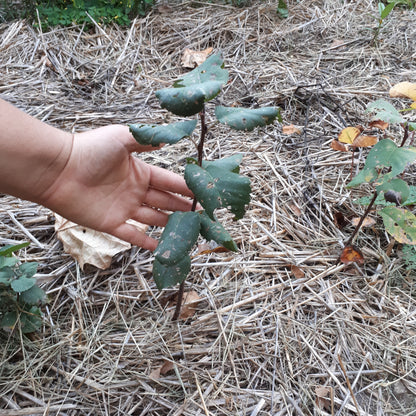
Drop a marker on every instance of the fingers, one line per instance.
(129, 233)
(168, 181)
(167, 201)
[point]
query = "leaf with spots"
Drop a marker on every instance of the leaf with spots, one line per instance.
(195, 88)
(400, 223)
(246, 119)
(385, 111)
(396, 190)
(213, 230)
(155, 135)
(166, 275)
(178, 237)
(216, 187)
(231, 163)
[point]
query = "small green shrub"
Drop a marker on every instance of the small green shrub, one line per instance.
(20, 297)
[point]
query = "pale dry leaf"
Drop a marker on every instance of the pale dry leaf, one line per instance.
(365, 141)
(89, 246)
(378, 124)
(162, 370)
(291, 129)
(413, 105)
(297, 272)
(336, 145)
(191, 59)
(368, 222)
(323, 395)
(404, 89)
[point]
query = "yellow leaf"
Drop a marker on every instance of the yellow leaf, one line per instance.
(404, 89)
(349, 134)
(413, 105)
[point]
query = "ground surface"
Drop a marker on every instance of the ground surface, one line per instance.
(267, 338)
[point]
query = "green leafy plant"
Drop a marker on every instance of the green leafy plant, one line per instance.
(384, 168)
(20, 297)
(215, 184)
(383, 11)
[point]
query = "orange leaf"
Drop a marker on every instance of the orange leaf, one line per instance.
(191, 59)
(291, 129)
(365, 141)
(404, 89)
(351, 254)
(368, 222)
(349, 134)
(336, 145)
(378, 124)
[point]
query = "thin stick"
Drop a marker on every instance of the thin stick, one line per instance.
(348, 384)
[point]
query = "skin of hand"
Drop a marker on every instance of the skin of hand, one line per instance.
(90, 178)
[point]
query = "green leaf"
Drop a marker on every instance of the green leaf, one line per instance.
(30, 320)
(239, 118)
(22, 283)
(6, 275)
(33, 296)
(9, 249)
(210, 70)
(188, 101)
(166, 275)
(155, 135)
(411, 199)
(178, 237)
(282, 9)
(8, 261)
(385, 111)
(398, 189)
(9, 319)
(231, 163)
(213, 230)
(195, 88)
(385, 154)
(400, 223)
(216, 187)
(28, 269)
(386, 10)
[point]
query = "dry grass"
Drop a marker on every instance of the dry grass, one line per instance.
(264, 340)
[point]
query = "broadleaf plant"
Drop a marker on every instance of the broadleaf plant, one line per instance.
(384, 163)
(215, 184)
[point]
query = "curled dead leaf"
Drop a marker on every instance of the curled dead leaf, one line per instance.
(191, 59)
(89, 246)
(404, 89)
(162, 370)
(351, 254)
(340, 220)
(349, 134)
(291, 129)
(378, 124)
(297, 272)
(336, 145)
(365, 141)
(368, 222)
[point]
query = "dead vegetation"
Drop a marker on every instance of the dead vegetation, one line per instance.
(281, 329)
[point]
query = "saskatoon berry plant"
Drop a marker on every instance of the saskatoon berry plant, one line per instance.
(215, 184)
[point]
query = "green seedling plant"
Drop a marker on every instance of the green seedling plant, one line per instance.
(20, 297)
(383, 12)
(383, 170)
(215, 184)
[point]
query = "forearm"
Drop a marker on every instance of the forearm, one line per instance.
(32, 153)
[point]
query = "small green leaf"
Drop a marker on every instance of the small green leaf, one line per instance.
(385, 111)
(169, 275)
(8, 261)
(178, 237)
(155, 135)
(247, 119)
(397, 188)
(210, 70)
(231, 163)
(215, 187)
(6, 275)
(213, 230)
(33, 296)
(9, 319)
(411, 199)
(22, 283)
(400, 223)
(28, 269)
(386, 10)
(31, 320)
(9, 249)
(282, 9)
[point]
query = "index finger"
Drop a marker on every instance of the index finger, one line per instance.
(168, 181)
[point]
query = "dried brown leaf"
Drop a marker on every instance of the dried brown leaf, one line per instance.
(191, 58)
(365, 141)
(351, 254)
(378, 124)
(404, 89)
(336, 145)
(297, 272)
(291, 129)
(368, 222)
(162, 370)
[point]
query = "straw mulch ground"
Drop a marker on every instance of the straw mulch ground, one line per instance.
(267, 338)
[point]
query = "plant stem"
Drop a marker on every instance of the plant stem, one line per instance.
(200, 148)
(367, 211)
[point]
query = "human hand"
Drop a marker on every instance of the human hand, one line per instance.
(103, 185)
